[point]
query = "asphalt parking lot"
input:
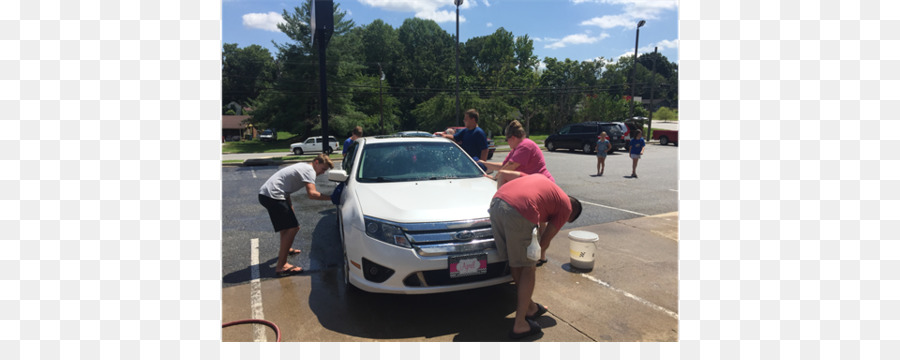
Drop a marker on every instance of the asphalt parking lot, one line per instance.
(630, 295)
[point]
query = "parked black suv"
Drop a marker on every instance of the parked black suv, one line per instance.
(584, 136)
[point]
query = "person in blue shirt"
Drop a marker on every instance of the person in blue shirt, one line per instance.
(472, 139)
(355, 134)
(637, 149)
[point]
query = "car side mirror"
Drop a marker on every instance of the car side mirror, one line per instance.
(337, 175)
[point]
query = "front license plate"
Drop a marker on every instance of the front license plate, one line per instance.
(467, 265)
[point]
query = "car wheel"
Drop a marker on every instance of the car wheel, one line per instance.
(298, 151)
(663, 140)
(328, 151)
(549, 146)
(490, 154)
(587, 148)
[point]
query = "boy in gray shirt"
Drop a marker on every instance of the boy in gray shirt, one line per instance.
(275, 196)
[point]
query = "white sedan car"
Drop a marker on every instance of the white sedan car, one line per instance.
(413, 217)
(313, 144)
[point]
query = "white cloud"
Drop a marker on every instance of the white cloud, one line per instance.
(576, 39)
(662, 45)
(633, 11)
(440, 16)
(267, 21)
(424, 9)
(490, 24)
(611, 21)
(486, 3)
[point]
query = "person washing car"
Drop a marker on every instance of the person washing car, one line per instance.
(515, 210)
(472, 139)
(275, 196)
(524, 157)
(355, 134)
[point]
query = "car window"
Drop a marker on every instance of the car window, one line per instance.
(610, 129)
(414, 161)
(565, 129)
(310, 141)
(347, 163)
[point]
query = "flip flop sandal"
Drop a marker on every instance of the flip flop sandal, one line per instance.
(293, 251)
(534, 329)
(292, 271)
(541, 262)
(540, 311)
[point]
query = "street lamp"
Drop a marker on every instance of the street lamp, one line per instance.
(381, 98)
(637, 35)
(457, 3)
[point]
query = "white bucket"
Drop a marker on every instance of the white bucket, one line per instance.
(581, 249)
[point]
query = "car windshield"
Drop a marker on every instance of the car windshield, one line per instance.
(414, 161)
(267, 132)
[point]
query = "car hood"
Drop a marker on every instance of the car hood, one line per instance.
(427, 201)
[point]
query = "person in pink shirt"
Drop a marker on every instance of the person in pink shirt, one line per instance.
(517, 208)
(524, 158)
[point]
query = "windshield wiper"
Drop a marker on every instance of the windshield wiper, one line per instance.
(379, 179)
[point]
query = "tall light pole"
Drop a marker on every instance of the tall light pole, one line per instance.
(637, 35)
(381, 98)
(457, 3)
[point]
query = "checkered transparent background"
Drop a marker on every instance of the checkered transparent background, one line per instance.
(110, 186)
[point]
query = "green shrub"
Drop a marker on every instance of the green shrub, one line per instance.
(665, 113)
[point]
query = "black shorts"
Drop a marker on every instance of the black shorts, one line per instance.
(280, 213)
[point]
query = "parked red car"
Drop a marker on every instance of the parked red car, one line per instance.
(666, 136)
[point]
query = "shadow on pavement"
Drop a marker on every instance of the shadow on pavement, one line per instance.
(474, 315)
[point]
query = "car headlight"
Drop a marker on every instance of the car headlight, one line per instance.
(385, 232)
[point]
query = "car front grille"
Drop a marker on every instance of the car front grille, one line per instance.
(448, 238)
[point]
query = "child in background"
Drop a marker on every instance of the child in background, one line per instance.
(603, 146)
(637, 149)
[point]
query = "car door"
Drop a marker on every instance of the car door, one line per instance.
(576, 136)
(309, 145)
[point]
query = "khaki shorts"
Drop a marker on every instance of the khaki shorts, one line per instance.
(512, 233)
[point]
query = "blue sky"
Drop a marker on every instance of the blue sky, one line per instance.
(574, 29)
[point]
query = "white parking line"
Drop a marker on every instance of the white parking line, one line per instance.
(632, 296)
(252, 171)
(256, 307)
(610, 207)
(673, 190)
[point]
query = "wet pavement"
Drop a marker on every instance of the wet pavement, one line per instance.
(631, 294)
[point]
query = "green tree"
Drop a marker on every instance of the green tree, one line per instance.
(245, 72)
(426, 57)
(603, 107)
(293, 103)
(564, 84)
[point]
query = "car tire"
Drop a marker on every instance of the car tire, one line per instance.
(549, 146)
(298, 151)
(588, 149)
(663, 140)
(490, 154)
(328, 150)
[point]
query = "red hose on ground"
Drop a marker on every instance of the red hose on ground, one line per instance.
(257, 321)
